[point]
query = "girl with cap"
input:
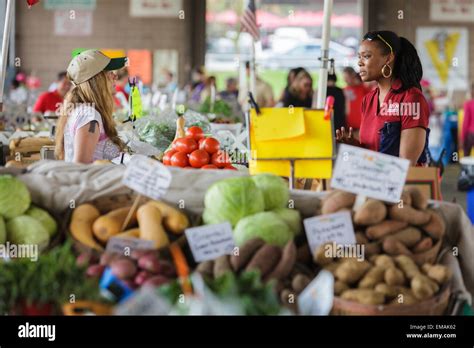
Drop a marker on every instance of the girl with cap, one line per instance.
(394, 114)
(86, 129)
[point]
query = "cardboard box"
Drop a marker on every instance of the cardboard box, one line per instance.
(427, 180)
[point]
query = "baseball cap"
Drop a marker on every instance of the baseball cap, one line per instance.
(87, 64)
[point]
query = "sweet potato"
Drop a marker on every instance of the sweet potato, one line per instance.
(439, 273)
(409, 214)
(299, 283)
(265, 259)
(372, 249)
(393, 247)
(419, 201)
(364, 296)
(407, 265)
(337, 201)
(372, 277)
(340, 287)
(385, 228)
(394, 277)
(286, 263)
(370, 213)
(423, 245)
(384, 261)
(221, 266)
(406, 198)
(408, 236)
(351, 271)
(246, 252)
(436, 227)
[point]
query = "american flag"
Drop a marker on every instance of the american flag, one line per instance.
(249, 20)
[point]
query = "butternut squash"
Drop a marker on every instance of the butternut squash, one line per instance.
(174, 220)
(81, 225)
(150, 223)
(110, 224)
(132, 233)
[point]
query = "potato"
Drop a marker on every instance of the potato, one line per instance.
(320, 257)
(409, 214)
(436, 227)
(419, 201)
(337, 201)
(340, 287)
(406, 197)
(374, 276)
(364, 296)
(423, 245)
(150, 262)
(123, 268)
(385, 228)
(421, 287)
(303, 254)
(95, 270)
(394, 247)
(265, 259)
(439, 273)
(372, 249)
(351, 271)
(408, 266)
(331, 267)
(370, 213)
(299, 283)
(221, 266)
(405, 296)
(287, 296)
(206, 268)
(384, 261)
(394, 277)
(361, 238)
(106, 258)
(246, 252)
(408, 236)
(390, 292)
(142, 277)
(286, 263)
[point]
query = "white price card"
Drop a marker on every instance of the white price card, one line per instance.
(335, 227)
(147, 177)
(145, 301)
(128, 245)
(369, 173)
(317, 298)
(210, 241)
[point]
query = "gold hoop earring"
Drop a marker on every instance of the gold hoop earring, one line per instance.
(383, 71)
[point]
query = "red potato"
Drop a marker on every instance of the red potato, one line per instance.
(95, 270)
(136, 254)
(150, 263)
(123, 268)
(156, 281)
(167, 269)
(107, 258)
(142, 277)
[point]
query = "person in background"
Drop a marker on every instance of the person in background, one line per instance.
(121, 94)
(18, 93)
(230, 95)
(354, 93)
(208, 86)
(289, 80)
(339, 101)
(467, 133)
(199, 80)
(170, 83)
(265, 97)
(300, 93)
(50, 102)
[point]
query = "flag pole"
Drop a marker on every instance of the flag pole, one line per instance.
(323, 72)
(5, 43)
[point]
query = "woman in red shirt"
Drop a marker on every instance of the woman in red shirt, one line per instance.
(395, 114)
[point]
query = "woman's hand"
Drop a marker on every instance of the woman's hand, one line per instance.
(346, 137)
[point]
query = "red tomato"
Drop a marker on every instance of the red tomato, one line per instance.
(167, 157)
(220, 159)
(199, 158)
(179, 159)
(209, 166)
(200, 141)
(195, 132)
(229, 167)
(211, 145)
(186, 145)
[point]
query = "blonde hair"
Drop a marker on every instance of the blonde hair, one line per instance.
(97, 93)
(295, 86)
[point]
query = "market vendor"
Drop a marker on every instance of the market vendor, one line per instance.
(86, 130)
(394, 114)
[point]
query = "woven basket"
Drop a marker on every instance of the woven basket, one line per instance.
(436, 305)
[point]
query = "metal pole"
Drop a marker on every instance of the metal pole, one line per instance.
(323, 72)
(253, 74)
(4, 56)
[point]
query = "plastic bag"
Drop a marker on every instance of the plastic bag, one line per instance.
(157, 130)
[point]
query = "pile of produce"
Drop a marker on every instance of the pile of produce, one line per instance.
(195, 150)
(155, 221)
(22, 223)
(255, 206)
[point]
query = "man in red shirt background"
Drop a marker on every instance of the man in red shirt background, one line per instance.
(354, 93)
(50, 102)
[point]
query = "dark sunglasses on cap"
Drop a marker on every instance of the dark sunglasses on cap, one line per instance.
(375, 36)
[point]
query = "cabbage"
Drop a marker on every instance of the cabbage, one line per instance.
(44, 218)
(14, 197)
(275, 190)
(267, 226)
(231, 200)
(26, 230)
(292, 218)
(3, 231)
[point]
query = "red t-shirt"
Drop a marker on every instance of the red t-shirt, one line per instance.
(354, 96)
(120, 89)
(48, 101)
(408, 107)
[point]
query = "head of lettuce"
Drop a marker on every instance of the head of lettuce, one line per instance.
(14, 197)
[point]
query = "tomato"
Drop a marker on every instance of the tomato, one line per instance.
(220, 159)
(211, 145)
(186, 145)
(195, 132)
(179, 159)
(200, 141)
(209, 166)
(230, 167)
(199, 158)
(167, 157)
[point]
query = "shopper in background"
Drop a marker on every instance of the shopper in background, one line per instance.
(209, 86)
(86, 129)
(467, 133)
(289, 80)
(170, 84)
(354, 93)
(339, 101)
(122, 91)
(300, 93)
(265, 97)
(50, 102)
(18, 93)
(230, 95)
(198, 84)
